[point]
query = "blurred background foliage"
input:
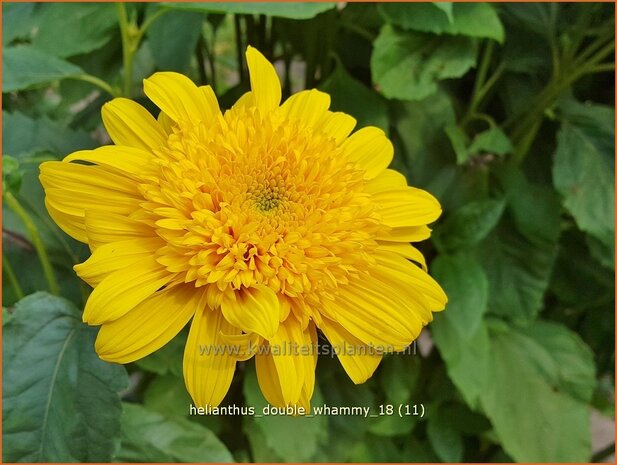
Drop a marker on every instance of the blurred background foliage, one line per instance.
(503, 111)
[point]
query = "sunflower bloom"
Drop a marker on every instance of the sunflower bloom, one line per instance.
(258, 225)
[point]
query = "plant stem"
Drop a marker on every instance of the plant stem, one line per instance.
(201, 60)
(35, 237)
(240, 55)
(128, 51)
(10, 274)
(97, 82)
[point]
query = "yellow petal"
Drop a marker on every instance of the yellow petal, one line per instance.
(73, 225)
(166, 123)
(149, 326)
(406, 234)
(178, 97)
(130, 124)
(374, 314)
(308, 107)
(212, 104)
(285, 348)
(358, 360)
(267, 377)
(265, 84)
(254, 310)
(116, 256)
(370, 149)
(337, 125)
(208, 371)
(103, 228)
(406, 250)
(407, 207)
(71, 189)
(398, 268)
(247, 100)
(129, 160)
(243, 346)
(123, 290)
(386, 181)
(310, 364)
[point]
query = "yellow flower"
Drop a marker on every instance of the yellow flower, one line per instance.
(261, 224)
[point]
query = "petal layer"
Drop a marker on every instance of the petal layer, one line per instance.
(208, 368)
(149, 326)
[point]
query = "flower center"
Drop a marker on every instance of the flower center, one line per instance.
(251, 200)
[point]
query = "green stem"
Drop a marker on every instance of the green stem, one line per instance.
(128, 50)
(148, 22)
(201, 60)
(239, 48)
(35, 237)
(97, 82)
(10, 274)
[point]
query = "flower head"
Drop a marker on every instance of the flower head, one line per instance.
(260, 225)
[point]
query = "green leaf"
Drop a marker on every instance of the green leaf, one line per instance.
(12, 175)
(421, 147)
(25, 137)
(447, 8)
(459, 141)
(25, 66)
(574, 362)
(518, 272)
(556, 426)
(68, 29)
(172, 39)
(468, 368)
(17, 21)
(168, 359)
(466, 285)
(354, 98)
(493, 141)
(584, 165)
(148, 436)
(293, 439)
(60, 401)
(409, 65)
(399, 377)
(468, 225)
(468, 19)
(167, 395)
(292, 10)
(445, 440)
(535, 207)
(601, 251)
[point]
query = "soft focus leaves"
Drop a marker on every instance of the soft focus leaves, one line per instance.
(60, 401)
(354, 98)
(172, 42)
(468, 225)
(26, 137)
(523, 391)
(518, 272)
(409, 65)
(466, 285)
(299, 10)
(446, 441)
(149, 436)
(25, 66)
(470, 19)
(85, 27)
(584, 168)
(293, 439)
